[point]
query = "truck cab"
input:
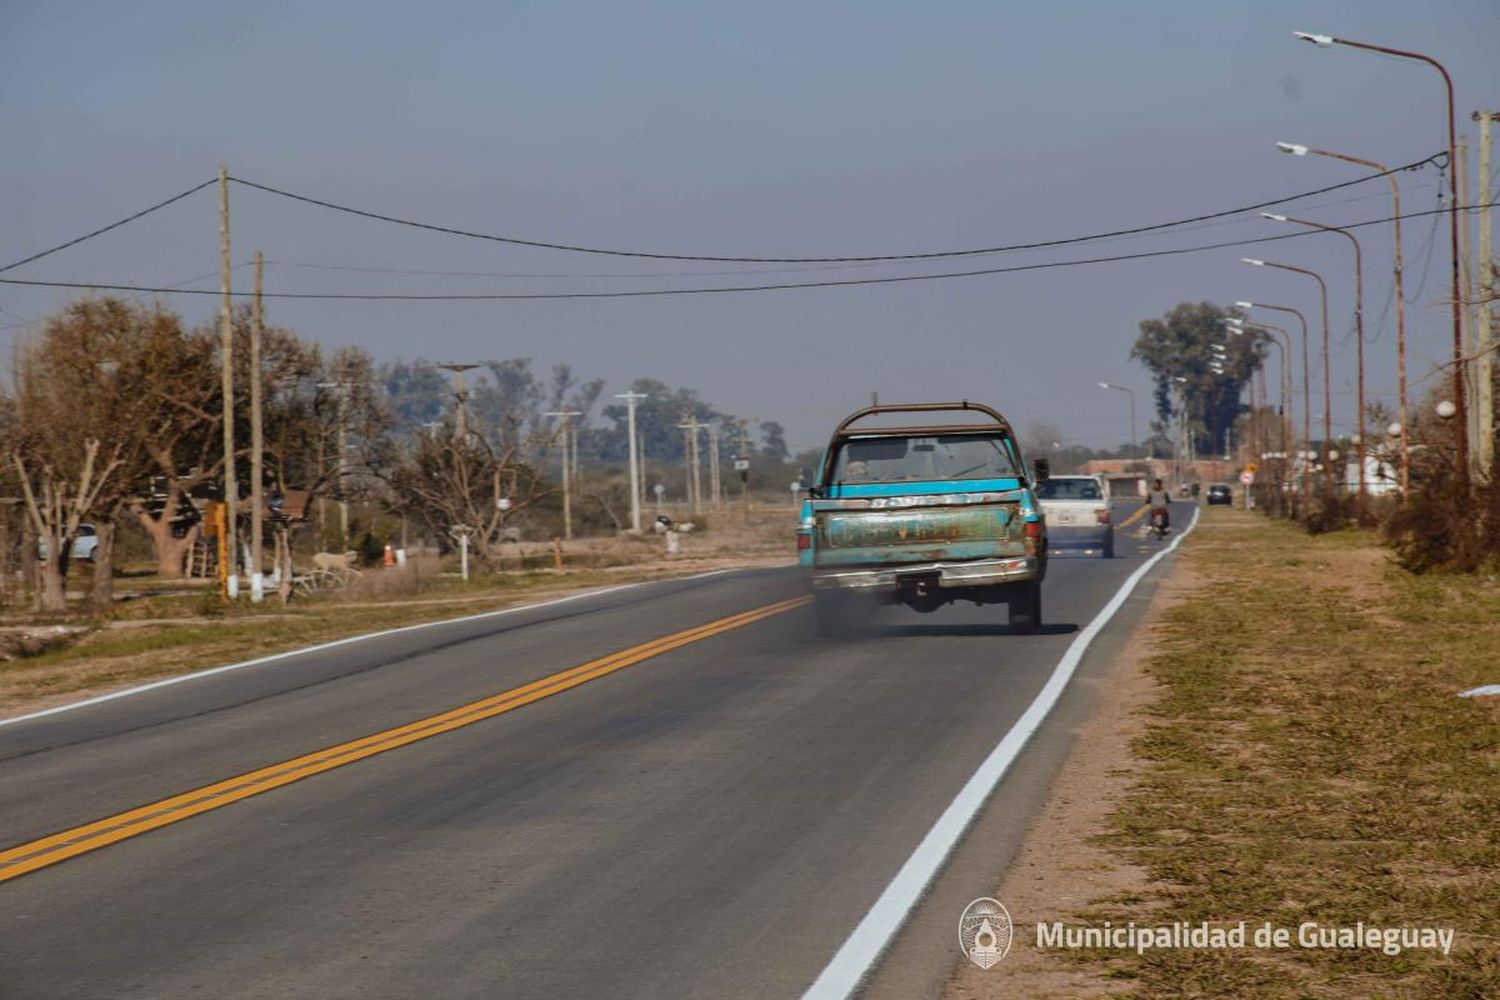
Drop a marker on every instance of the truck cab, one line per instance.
(923, 514)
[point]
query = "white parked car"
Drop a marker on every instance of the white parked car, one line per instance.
(84, 544)
(1077, 512)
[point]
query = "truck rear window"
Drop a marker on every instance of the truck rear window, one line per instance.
(940, 457)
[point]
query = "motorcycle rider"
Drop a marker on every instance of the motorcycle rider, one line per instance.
(1157, 499)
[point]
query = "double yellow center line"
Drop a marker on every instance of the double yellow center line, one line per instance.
(29, 857)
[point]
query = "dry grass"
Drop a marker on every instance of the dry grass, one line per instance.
(1308, 760)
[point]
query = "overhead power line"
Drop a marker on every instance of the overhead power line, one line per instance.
(715, 258)
(728, 259)
(113, 225)
(721, 289)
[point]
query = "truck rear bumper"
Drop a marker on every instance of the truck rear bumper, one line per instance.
(969, 573)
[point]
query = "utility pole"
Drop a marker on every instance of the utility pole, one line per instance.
(341, 436)
(257, 443)
(228, 576)
(745, 469)
(697, 465)
(1461, 172)
(461, 396)
(715, 484)
(1485, 320)
(631, 398)
(689, 427)
(344, 464)
(567, 429)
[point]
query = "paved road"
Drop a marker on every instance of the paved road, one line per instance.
(710, 821)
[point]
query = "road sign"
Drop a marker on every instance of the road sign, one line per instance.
(1252, 467)
(741, 465)
(1247, 477)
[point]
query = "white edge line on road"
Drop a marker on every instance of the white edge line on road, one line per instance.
(856, 958)
(1480, 692)
(347, 640)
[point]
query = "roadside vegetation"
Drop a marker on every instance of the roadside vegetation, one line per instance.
(162, 627)
(1308, 759)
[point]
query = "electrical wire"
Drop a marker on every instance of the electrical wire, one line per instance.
(727, 259)
(718, 289)
(1428, 247)
(555, 275)
(113, 225)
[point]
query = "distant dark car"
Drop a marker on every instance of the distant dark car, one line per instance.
(1220, 493)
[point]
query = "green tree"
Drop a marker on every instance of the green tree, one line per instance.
(1180, 345)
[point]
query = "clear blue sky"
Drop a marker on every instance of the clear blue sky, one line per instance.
(767, 129)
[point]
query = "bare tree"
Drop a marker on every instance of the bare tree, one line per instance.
(57, 502)
(445, 482)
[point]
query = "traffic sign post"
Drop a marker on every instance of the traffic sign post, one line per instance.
(1248, 479)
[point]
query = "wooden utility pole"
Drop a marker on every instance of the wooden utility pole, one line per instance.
(689, 427)
(461, 397)
(1484, 366)
(257, 444)
(569, 454)
(697, 469)
(715, 483)
(1462, 171)
(228, 577)
(631, 398)
(744, 473)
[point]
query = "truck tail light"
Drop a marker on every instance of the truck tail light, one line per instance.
(1102, 516)
(804, 541)
(1033, 529)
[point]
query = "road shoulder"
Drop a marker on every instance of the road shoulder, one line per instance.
(1296, 760)
(1059, 867)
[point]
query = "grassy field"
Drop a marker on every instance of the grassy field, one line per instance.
(1308, 759)
(167, 628)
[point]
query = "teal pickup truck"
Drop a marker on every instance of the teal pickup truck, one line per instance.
(923, 515)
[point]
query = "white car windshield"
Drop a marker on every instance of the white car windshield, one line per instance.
(939, 457)
(1069, 489)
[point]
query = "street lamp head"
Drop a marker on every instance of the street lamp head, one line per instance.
(1252, 261)
(1446, 409)
(1273, 217)
(1321, 41)
(1104, 385)
(1296, 149)
(1394, 430)
(1245, 305)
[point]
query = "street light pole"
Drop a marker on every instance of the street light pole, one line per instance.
(631, 398)
(1327, 381)
(1400, 293)
(1283, 343)
(1359, 325)
(1460, 364)
(1134, 448)
(1306, 381)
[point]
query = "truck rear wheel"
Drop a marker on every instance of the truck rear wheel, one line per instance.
(1026, 608)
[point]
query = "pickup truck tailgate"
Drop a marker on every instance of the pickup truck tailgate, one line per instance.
(886, 531)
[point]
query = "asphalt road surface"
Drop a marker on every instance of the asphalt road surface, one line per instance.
(708, 816)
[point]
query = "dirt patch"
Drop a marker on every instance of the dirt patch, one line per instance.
(1061, 869)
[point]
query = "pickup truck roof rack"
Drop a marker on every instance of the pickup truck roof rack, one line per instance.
(1000, 423)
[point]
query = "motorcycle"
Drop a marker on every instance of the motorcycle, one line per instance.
(1159, 523)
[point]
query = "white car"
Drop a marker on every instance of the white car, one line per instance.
(1077, 512)
(84, 544)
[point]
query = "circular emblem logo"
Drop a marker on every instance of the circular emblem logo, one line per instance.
(984, 931)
